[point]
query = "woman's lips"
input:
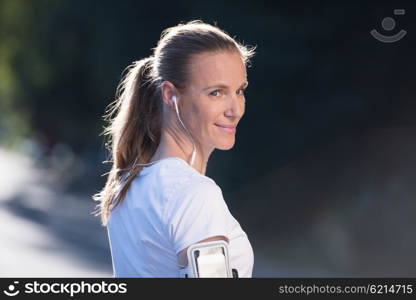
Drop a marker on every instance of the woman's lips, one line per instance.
(226, 128)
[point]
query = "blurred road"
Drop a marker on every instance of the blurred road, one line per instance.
(44, 232)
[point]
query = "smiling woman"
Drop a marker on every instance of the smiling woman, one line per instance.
(172, 111)
(206, 104)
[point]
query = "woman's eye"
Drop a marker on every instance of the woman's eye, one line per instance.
(213, 93)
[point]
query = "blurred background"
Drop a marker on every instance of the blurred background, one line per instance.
(321, 178)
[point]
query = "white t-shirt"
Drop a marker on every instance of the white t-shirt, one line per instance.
(168, 207)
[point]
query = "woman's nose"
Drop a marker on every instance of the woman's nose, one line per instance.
(236, 106)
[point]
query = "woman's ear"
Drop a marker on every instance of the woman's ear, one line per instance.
(168, 91)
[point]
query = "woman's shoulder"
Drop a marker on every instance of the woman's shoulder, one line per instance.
(175, 176)
(197, 190)
(192, 196)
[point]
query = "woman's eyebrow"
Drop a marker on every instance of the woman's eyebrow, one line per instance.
(221, 85)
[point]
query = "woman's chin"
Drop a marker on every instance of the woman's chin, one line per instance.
(225, 146)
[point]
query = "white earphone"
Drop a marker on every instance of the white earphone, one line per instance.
(177, 113)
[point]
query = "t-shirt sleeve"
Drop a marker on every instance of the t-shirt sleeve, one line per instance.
(197, 212)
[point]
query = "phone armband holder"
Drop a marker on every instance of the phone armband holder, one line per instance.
(207, 260)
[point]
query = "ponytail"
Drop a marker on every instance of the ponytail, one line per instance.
(133, 131)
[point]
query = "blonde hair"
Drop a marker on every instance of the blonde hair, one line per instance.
(135, 117)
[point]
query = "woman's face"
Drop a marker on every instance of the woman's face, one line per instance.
(214, 98)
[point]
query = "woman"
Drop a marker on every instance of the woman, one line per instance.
(172, 110)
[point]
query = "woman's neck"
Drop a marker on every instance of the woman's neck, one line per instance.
(169, 147)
